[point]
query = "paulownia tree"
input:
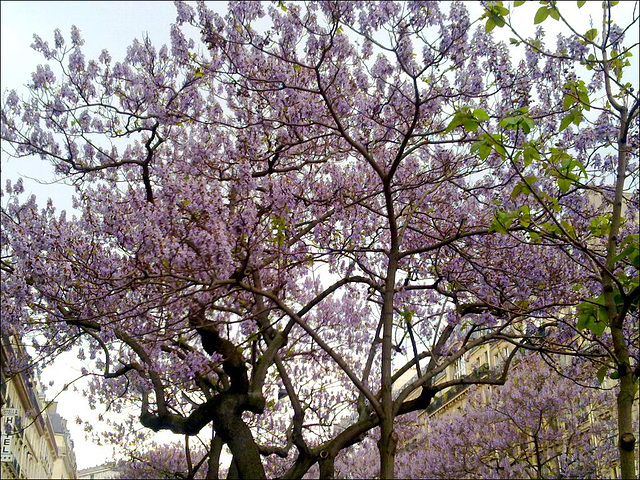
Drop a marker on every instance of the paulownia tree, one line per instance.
(175, 460)
(538, 425)
(588, 203)
(274, 227)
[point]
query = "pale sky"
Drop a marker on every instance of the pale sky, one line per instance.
(111, 25)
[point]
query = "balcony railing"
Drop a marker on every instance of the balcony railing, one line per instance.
(483, 371)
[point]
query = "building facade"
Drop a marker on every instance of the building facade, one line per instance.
(35, 441)
(488, 359)
(104, 471)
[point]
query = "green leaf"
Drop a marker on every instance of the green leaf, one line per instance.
(583, 321)
(279, 226)
(541, 15)
(530, 153)
(525, 218)
(602, 315)
(297, 67)
(523, 187)
(615, 375)
(502, 221)
(500, 150)
(569, 228)
(592, 324)
(508, 121)
(581, 3)
(484, 150)
(584, 99)
(591, 34)
(455, 122)
(452, 124)
(578, 163)
(592, 315)
(568, 101)
(527, 124)
(499, 20)
(480, 115)
(600, 225)
(490, 25)
(567, 120)
(518, 3)
(602, 372)
(497, 227)
(618, 298)
(407, 314)
(554, 13)
(496, 143)
(517, 190)
(470, 124)
(564, 184)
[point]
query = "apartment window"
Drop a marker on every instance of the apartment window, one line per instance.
(475, 334)
(460, 368)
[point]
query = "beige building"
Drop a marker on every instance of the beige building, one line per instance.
(65, 463)
(483, 360)
(104, 471)
(479, 361)
(35, 441)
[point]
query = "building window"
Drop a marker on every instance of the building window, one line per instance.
(460, 368)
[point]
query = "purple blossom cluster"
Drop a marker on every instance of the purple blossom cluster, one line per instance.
(274, 228)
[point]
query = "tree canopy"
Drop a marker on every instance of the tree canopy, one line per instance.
(278, 222)
(543, 423)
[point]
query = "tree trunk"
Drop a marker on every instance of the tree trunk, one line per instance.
(624, 403)
(327, 467)
(628, 379)
(387, 446)
(538, 458)
(233, 474)
(388, 440)
(213, 463)
(237, 435)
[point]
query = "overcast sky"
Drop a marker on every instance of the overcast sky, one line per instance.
(111, 25)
